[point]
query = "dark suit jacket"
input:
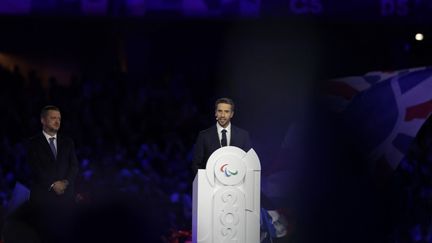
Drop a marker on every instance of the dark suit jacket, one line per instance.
(208, 142)
(45, 169)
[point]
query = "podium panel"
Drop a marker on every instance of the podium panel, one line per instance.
(226, 198)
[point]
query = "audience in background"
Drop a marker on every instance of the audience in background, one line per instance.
(133, 139)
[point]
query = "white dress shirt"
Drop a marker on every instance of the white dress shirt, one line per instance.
(47, 136)
(228, 133)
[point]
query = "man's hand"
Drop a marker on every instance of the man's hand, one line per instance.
(60, 186)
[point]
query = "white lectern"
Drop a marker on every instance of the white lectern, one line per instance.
(226, 198)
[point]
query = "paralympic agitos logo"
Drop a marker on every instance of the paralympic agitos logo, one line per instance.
(227, 172)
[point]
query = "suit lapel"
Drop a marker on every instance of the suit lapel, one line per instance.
(60, 146)
(233, 135)
(215, 138)
(46, 147)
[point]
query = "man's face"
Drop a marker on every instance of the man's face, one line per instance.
(51, 121)
(224, 114)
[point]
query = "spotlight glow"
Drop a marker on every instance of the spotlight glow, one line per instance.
(419, 37)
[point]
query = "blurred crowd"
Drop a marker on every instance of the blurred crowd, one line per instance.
(134, 138)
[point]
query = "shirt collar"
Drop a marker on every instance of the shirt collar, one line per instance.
(220, 128)
(47, 136)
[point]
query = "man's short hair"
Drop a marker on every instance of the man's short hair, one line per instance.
(225, 101)
(47, 108)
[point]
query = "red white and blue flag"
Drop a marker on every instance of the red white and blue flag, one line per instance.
(387, 109)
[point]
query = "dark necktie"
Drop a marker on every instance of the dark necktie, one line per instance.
(224, 138)
(52, 146)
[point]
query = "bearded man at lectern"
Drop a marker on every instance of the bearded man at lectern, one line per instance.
(223, 133)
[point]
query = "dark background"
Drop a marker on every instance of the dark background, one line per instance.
(135, 91)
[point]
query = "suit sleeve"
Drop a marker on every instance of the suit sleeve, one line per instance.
(248, 143)
(198, 156)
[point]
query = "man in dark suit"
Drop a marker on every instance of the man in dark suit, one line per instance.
(223, 133)
(54, 166)
(52, 161)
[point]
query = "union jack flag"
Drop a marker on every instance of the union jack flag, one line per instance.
(387, 109)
